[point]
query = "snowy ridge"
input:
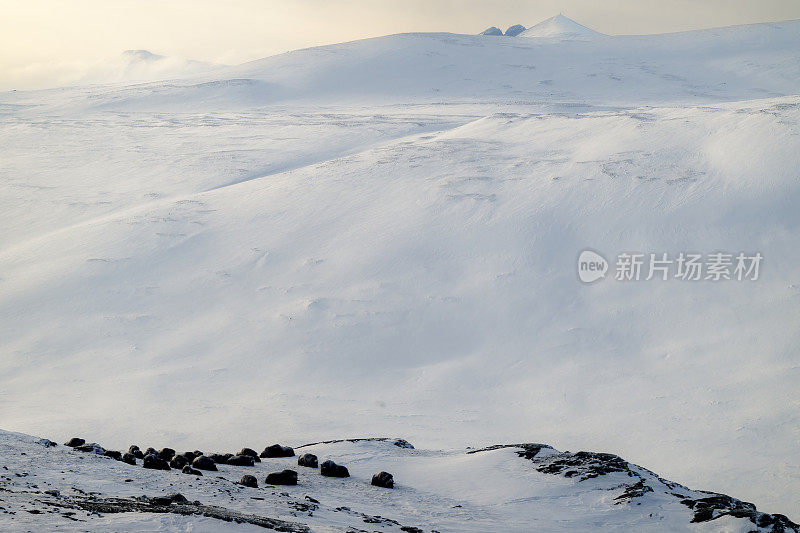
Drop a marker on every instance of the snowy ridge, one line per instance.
(518, 487)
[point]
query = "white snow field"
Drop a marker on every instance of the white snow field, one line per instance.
(380, 238)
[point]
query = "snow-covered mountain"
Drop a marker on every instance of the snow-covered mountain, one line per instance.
(381, 237)
(560, 27)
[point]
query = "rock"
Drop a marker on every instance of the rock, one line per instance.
(179, 461)
(53, 492)
(515, 30)
(251, 453)
(154, 462)
(47, 443)
(92, 447)
(383, 479)
(219, 458)
(166, 453)
(308, 459)
(331, 469)
(285, 477)
(114, 454)
(403, 443)
(492, 31)
(204, 463)
(177, 497)
(249, 481)
(276, 450)
(241, 460)
(189, 470)
(129, 458)
(74, 442)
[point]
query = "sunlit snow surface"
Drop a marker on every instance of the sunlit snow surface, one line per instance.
(380, 237)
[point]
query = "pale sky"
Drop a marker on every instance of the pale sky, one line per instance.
(51, 42)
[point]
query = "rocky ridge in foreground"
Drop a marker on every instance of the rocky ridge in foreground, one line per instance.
(393, 487)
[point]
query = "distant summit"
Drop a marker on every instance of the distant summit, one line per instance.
(560, 27)
(141, 55)
(515, 30)
(492, 31)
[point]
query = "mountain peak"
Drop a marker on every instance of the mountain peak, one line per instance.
(560, 27)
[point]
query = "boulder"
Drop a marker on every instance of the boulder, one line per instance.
(515, 30)
(166, 453)
(179, 461)
(492, 31)
(204, 463)
(47, 443)
(189, 470)
(331, 469)
(249, 481)
(114, 454)
(74, 442)
(129, 458)
(383, 479)
(284, 477)
(241, 460)
(154, 462)
(168, 499)
(92, 447)
(276, 450)
(177, 497)
(308, 459)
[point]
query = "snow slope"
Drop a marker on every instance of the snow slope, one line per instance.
(514, 488)
(380, 236)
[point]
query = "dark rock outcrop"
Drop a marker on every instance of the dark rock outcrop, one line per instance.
(308, 459)
(276, 450)
(383, 479)
(92, 447)
(204, 463)
(331, 469)
(285, 477)
(249, 481)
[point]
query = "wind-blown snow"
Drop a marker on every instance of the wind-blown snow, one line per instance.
(380, 236)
